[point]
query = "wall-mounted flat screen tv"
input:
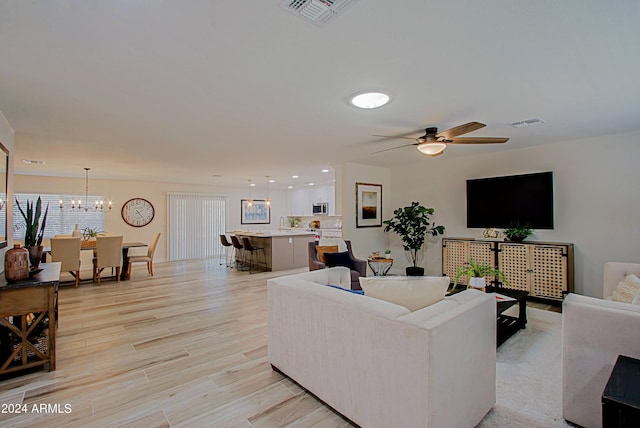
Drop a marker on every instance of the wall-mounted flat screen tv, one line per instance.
(505, 201)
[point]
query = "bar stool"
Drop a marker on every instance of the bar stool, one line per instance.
(239, 251)
(227, 246)
(253, 253)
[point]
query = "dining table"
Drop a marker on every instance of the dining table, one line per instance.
(125, 255)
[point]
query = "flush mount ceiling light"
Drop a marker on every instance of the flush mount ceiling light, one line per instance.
(369, 100)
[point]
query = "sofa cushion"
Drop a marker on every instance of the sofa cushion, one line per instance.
(412, 292)
(338, 259)
(322, 249)
(626, 289)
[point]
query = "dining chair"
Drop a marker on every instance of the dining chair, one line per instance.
(108, 253)
(239, 251)
(148, 259)
(227, 246)
(253, 252)
(66, 250)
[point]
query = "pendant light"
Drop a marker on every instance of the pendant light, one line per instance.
(77, 205)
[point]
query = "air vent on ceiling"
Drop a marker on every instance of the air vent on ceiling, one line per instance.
(319, 12)
(527, 122)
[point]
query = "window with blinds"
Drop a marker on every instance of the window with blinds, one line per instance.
(195, 223)
(59, 221)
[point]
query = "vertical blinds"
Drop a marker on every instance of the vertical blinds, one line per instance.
(59, 221)
(195, 223)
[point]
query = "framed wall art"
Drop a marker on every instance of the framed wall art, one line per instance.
(368, 205)
(258, 213)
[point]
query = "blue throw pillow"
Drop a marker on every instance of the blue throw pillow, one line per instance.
(338, 259)
(361, 292)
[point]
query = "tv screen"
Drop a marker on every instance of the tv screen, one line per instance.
(505, 201)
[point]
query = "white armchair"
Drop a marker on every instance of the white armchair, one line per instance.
(594, 332)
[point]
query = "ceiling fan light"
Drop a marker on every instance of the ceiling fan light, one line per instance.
(432, 149)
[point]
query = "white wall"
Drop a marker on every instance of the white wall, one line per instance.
(597, 204)
(6, 138)
(367, 239)
(121, 191)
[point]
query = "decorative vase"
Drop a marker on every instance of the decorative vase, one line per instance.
(414, 271)
(16, 264)
(479, 283)
(76, 232)
(35, 255)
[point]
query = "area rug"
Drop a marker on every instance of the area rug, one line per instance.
(529, 376)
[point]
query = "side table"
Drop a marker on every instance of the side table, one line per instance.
(380, 265)
(621, 395)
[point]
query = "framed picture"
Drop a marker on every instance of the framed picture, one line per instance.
(368, 205)
(257, 213)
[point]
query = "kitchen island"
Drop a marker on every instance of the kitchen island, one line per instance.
(286, 249)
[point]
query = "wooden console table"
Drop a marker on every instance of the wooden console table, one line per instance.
(28, 315)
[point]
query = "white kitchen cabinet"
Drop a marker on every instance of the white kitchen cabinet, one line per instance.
(300, 201)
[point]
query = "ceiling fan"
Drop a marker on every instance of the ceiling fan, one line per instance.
(433, 143)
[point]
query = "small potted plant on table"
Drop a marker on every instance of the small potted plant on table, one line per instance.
(518, 232)
(34, 230)
(477, 272)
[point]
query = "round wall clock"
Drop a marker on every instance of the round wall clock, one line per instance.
(137, 212)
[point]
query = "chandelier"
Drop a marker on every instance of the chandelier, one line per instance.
(77, 205)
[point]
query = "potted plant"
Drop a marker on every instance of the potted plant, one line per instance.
(88, 232)
(477, 272)
(387, 254)
(518, 232)
(34, 230)
(413, 223)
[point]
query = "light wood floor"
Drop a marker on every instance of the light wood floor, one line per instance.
(186, 348)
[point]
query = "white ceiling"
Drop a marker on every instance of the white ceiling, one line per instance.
(179, 91)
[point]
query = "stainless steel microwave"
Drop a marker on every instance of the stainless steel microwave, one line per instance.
(320, 208)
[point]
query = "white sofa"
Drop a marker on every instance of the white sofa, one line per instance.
(376, 362)
(594, 332)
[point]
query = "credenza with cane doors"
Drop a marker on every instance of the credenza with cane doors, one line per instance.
(544, 269)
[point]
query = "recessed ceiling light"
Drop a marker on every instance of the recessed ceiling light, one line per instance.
(325, 170)
(271, 180)
(295, 176)
(252, 184)
(289, 187)
(311, 184)
(33, 162)
(370, 100)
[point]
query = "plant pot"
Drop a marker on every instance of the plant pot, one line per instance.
(516, 238)
(35, 255)
(415, 271)
(479, 283)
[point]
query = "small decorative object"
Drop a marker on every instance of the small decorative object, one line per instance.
(368, 205)
(518, 232)
(387, 254)
(76, 232)
(16, 264)
(490, 232)
(413, 223)
(34, 231)
(477, 272)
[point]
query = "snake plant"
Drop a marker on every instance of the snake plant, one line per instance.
(34, 230)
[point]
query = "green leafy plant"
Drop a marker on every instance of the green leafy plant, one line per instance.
(413, 223)
(34, 230)
(387, 251)
(478, 270)
(518, 232)
(88, 232)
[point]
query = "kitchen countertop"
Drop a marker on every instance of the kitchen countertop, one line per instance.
(271, 233)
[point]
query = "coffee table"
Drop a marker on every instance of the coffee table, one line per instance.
(507, 324)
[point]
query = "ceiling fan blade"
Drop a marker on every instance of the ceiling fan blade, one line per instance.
(459, 130)
(390, 136)
(393, 148)
(478, 140)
